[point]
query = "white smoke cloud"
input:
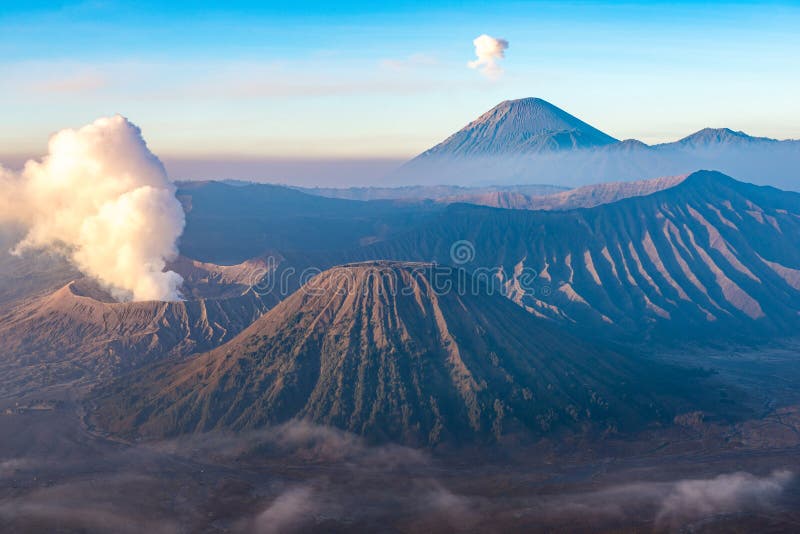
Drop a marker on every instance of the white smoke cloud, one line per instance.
(103, 200)
(489, 51)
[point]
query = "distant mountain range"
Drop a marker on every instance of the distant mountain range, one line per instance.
(704, 253)
(533, 141)
(587, 196)
(523, 197)
(437, 193)
(718, 137)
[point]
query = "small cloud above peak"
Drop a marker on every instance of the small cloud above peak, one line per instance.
(489, 51)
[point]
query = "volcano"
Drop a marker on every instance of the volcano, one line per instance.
(403, 352)
(531, 141)
(80, 334)
(525, 126)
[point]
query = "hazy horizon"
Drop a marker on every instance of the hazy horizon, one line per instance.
(557, 168)
(297, 82)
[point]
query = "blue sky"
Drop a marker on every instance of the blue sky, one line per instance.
(359, 80)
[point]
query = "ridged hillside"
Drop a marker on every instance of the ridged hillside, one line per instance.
(402, 352)
(709, 256)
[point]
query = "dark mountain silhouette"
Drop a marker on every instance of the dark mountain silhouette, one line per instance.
(228, 224)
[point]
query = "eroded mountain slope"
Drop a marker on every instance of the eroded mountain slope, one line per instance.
(403, 352)
(708, 256)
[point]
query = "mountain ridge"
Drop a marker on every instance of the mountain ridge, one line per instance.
(707, 253)
(716, 136)
(580, 197)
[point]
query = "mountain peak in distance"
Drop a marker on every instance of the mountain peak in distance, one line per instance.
(527, 125)
(531, 141)
(708, 137)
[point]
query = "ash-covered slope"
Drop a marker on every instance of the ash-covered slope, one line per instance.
(80, 333)
(395, 351)
(709, 256)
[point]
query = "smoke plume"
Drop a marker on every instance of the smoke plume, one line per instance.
(489, 51)
(103, 200)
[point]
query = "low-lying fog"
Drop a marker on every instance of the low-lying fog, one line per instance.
(56, 475)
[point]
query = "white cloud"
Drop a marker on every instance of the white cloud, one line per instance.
(489, 51)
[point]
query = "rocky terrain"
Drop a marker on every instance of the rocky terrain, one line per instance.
(79, 333)
(399, 352)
